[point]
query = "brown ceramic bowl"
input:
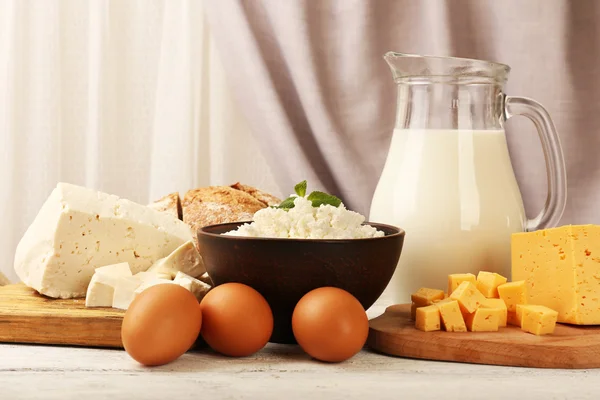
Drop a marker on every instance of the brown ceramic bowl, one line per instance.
(284, 270)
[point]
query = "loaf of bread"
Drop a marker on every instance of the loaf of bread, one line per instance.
(265, 198)
(216, 204)
(171, 204)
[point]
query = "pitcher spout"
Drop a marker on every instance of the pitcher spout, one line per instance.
(408, 66)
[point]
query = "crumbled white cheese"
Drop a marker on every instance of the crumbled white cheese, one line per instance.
(307, 222)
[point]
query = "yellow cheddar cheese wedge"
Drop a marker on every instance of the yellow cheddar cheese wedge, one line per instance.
(483, 320)
(488, 282)
(539, 320)
(427, 319)
(561, 267)
(500, 305)
(451, 316)
(516, 318)
(454, 280)
(468, 297)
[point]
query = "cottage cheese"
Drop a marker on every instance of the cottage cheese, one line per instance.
(307, 222)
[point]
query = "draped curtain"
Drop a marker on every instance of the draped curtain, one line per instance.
(127, 97)
(318, 79)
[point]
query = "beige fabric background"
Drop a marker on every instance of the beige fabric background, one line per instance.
(309, 76)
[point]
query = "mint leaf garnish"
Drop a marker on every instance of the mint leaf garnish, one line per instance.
(318, 198)
(300, 189)
(287, 203)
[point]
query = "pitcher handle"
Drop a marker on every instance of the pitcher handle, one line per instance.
(555, 162)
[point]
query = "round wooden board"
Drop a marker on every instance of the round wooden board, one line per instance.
(569, 346)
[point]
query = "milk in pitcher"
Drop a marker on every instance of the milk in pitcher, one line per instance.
(455, 194)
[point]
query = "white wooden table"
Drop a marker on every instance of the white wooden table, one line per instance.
(277, 372)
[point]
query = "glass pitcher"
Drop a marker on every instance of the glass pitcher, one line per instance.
(448, 180)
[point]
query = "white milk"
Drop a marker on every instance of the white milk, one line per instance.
(455, 194)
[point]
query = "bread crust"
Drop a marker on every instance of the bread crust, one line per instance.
(265, 198)
(217, 205)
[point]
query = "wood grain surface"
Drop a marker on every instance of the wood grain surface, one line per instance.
(3, 280)
(571, 347)
(28, 317)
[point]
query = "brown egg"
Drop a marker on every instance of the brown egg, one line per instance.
(236, 320)
(161, 324)
(330, 324)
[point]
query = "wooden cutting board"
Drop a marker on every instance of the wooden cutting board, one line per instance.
(28, 317)
(569, 346)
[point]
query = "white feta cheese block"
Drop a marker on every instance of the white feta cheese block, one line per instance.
(185, 258)
(3, 280)
(125, 291)
(196, 286)
(79, 229)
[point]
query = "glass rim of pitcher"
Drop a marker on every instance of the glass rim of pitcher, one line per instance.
(433, 66)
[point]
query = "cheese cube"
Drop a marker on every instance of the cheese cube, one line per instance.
(425, 296)
(196, 286)
(468, 297)
(78, 230)
(483, 320)
(145, 276)
(413, 311)
(112, 273)
(539, 320)
(185, 258)
(124, 292)
(455, 280)
(519, 312)
(101, 289)
(515, 318)
(500, 305)
(99, 294)
(561, 267)
(513, 293)
(428, 319)
(206, 279)
(127, 289)
(451, 316)
(488, 282)
(153, 282)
